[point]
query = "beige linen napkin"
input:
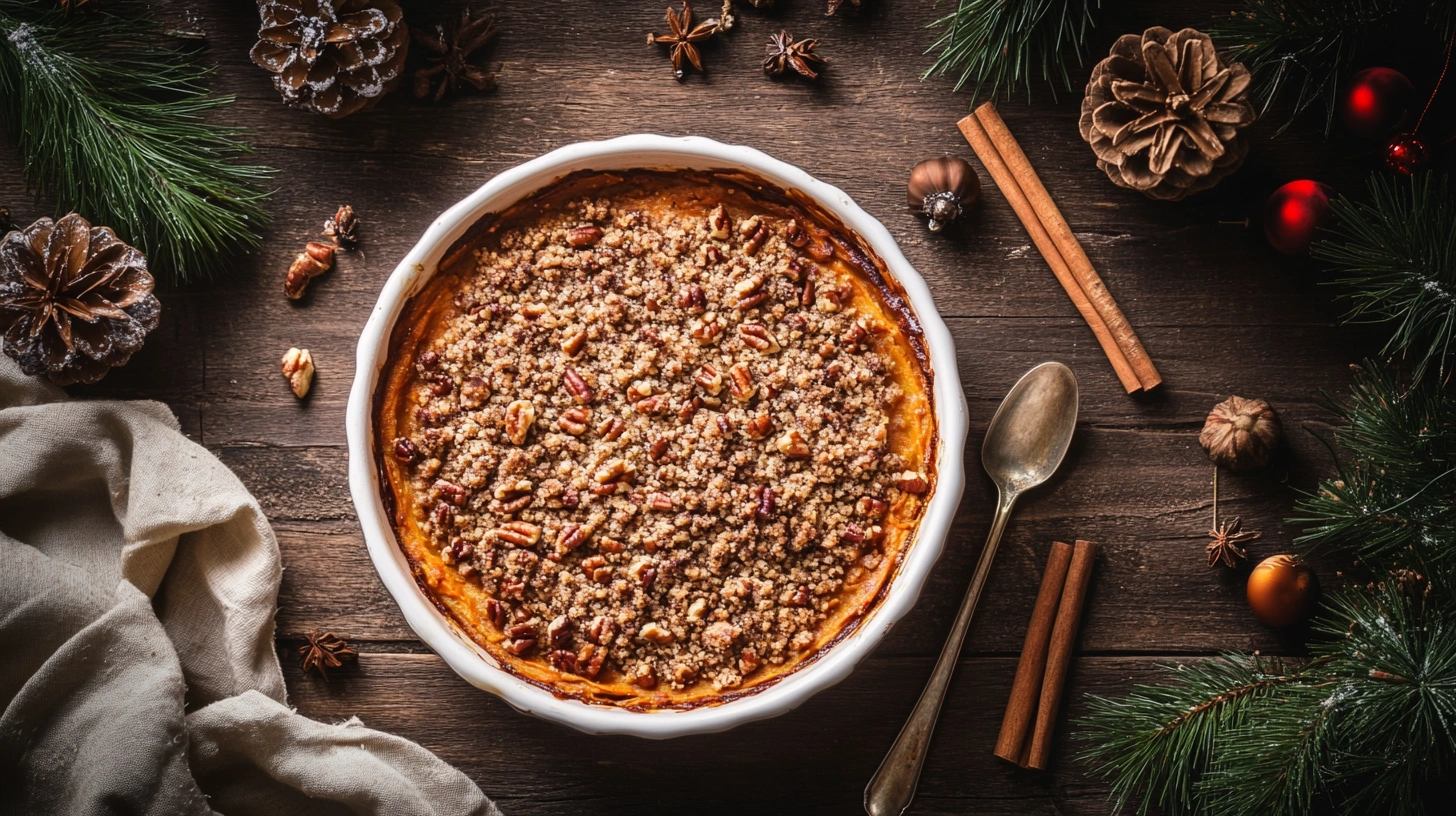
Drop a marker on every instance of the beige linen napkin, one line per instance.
(138, 583)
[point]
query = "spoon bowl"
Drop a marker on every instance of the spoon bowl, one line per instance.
(1031, 431)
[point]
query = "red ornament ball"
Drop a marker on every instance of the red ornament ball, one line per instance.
(1282, 590)
(1405, 154)
(1294, 214)
(1376, 101)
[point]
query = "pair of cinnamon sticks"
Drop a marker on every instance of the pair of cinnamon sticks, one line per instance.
(1012, 172)
(1036, 693)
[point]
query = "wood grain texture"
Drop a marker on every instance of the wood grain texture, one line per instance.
(1218, 311)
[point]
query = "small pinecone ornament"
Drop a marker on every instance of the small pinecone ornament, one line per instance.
(1163, 113)
(74, 300)
(335, 57)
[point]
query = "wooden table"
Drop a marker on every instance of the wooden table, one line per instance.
(1219, 312)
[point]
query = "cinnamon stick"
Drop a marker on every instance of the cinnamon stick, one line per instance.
(1059, 654)
(1026, 688)
(1067, 244)
(1013, 173)
(1001, 174)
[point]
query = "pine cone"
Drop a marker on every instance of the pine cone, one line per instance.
(1163, 113)
(74, 300)
(335, 57)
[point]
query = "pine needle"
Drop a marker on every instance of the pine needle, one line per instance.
(1002, 43)
(114, 127)
(1367, 726)
(1395, 258)
(1393, 504)
(1309, 46)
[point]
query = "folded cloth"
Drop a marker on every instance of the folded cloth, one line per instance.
(138, 583)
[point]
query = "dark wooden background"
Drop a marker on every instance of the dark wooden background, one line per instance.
(1218, 310)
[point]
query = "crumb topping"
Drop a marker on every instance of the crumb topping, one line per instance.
(658, 439)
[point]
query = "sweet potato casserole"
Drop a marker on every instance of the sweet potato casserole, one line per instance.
(655, 440)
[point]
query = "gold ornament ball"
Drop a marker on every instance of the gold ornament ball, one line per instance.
(1282, 590)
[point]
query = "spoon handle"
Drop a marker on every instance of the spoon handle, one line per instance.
(893, 786)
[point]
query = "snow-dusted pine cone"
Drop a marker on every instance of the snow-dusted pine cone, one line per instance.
(74, 300)
(335, 57)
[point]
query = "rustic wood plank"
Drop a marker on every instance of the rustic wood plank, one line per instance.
(815, 759)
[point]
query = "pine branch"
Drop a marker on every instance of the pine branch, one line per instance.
(114, 127)
(1310, 45)
(1393, 504)
(1368, 726)
(1395, 258)
(1002, 43)
(1160, 741)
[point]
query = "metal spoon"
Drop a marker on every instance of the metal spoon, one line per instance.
(1027, 439)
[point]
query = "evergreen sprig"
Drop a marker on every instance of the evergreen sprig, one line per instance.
(113, 126)
(1393, 503)
(1367, 726)
(1003, 43)
(1395, 258)
(1310, 45)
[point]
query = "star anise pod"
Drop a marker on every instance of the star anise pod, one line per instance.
(452, 48)
(1226, 540)
(325, 650)
(835, 4)
(784, 54)
(682, 38)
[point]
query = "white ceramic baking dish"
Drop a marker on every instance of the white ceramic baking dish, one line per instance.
(472, 662)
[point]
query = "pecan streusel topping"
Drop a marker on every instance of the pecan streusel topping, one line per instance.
(657, 438)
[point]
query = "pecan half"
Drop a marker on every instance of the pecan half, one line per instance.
(572, 536)
(766, 506)
(719, 223)
(660, 501)
(912, 482)
(496, 611)
(574, 420)
(613, 471)
(644, 677)
(707, 330)
(759, 427)
(602, 630)
(519, 533)
(611, 429)
(589, 660)
(709, 379)
(520, 416)
(562, 660)
(658, 449)
(577, 386)
(559, 630)
(692, 298)
(741, 382)
(583, 235)
(651, 406)
(758, 336)
(405, 451)
(795, 235)
(871, 506)
(756, 240)
(451, 492)
(511, 488)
